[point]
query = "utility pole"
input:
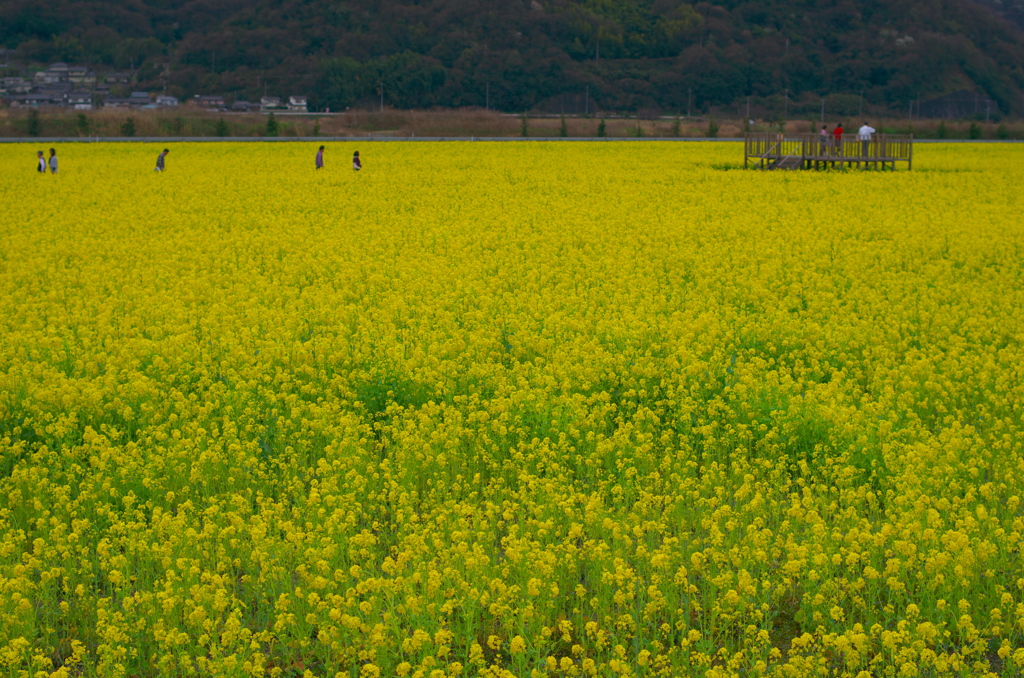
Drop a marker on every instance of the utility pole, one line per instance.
(988, 109)
(586, 101)
(487, 97)
(381, 96)
(689, 101)
(861, 104)
(785, 104)
(822, 109)
(748, 108)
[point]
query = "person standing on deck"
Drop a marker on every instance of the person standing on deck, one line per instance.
(824, 140)
(53, 161)
(837, 143)
(864, 135)
(320, 158)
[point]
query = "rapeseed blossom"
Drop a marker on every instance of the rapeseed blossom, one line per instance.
(535, 411)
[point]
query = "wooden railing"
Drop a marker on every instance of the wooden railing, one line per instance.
(768, 150)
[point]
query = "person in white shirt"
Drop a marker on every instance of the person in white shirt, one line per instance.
(864, 134)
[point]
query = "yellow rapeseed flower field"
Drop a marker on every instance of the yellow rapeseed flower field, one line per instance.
(509, 409)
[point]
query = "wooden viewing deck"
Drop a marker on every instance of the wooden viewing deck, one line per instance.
(773, 150)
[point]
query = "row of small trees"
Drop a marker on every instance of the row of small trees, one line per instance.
(602, 128)
(129, 128)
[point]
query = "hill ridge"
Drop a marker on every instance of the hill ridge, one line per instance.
(626, 55)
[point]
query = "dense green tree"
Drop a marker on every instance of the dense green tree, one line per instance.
(32, 125)
(82, 124)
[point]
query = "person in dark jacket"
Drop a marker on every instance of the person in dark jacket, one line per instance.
(320, 158)
(41, 162)
(357, 164)
(160, 160)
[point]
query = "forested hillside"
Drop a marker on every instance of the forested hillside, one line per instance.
(627, 55)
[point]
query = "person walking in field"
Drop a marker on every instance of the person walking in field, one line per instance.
(357, 164)
(160, 160)
(40, 162)
(53, 161)
(320, 158)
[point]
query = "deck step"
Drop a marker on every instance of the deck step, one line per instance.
(790, 162)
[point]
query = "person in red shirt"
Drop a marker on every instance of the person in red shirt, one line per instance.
(837, 137)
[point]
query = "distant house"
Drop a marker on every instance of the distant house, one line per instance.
(243, 106)
(270, 103)
(80, 101)
(46, 77)
(117, 78)
(55, 73)
(36, 99)
(297, 104)
(55, 88)
(166, 101)
(140, 99)
(214, 102)
(81, 75)
(15, 85)
(117, 102)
